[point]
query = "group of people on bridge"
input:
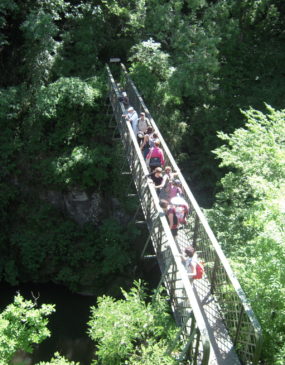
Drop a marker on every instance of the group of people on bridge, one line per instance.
(166, 183)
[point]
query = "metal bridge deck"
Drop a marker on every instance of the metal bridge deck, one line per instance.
(223, 352)
(222, 348)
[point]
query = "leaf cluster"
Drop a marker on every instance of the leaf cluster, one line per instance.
(22, 324)
(131, 330)
(58, 360)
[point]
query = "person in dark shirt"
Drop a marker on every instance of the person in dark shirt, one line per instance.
(123, 97)
(145, 145)
(156, 177)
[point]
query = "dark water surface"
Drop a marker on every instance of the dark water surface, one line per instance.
(68, 325)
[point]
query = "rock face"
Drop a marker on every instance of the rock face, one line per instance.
(118, 213)
(21, 357)
(80, 206)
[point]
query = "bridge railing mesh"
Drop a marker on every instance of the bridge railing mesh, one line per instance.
(236, 311)
(184, 305)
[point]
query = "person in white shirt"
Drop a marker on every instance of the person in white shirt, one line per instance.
(190, 261)
(132, 116)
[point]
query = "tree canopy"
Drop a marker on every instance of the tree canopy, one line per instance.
(248, 217)
(131, 330)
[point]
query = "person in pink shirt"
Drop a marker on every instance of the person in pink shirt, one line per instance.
(174, 189)
(155, 156)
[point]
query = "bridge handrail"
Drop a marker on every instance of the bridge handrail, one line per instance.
(221, 275)
(144, 189)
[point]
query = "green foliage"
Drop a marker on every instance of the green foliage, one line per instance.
(40, 32)
(131, 330)
(78, 55)
(22, 324)
(10, 143)
(129, 14)
(221, 54)
(196, 55)
(196, 62)
(65, 93)
(44, 245)
(55, 137)
(60, 135)
(58, 360)
(257, 155)
(63, 109)
(150, 55)
(6, 6)
(249, 217)
(83, 167)
(151, 353)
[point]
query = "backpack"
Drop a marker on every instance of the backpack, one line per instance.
(199, 271)
(155, 162)
(181, 212)
(181, 208)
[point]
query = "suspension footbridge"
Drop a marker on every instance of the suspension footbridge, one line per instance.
(217, 324)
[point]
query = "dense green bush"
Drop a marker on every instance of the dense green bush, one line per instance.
(44, 246)
(58, 360)
(132, 330)
(248, 217)
(55, 136)
(22, 325)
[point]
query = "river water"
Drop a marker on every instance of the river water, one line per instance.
(68, 325)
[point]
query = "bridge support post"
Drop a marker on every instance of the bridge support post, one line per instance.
(163, 275)
(149, 236)
(179, 335)
(116, 132)
(185, 351)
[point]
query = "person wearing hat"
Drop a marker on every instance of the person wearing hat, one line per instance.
(132, 116)
(143, 124)
(174, 189)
